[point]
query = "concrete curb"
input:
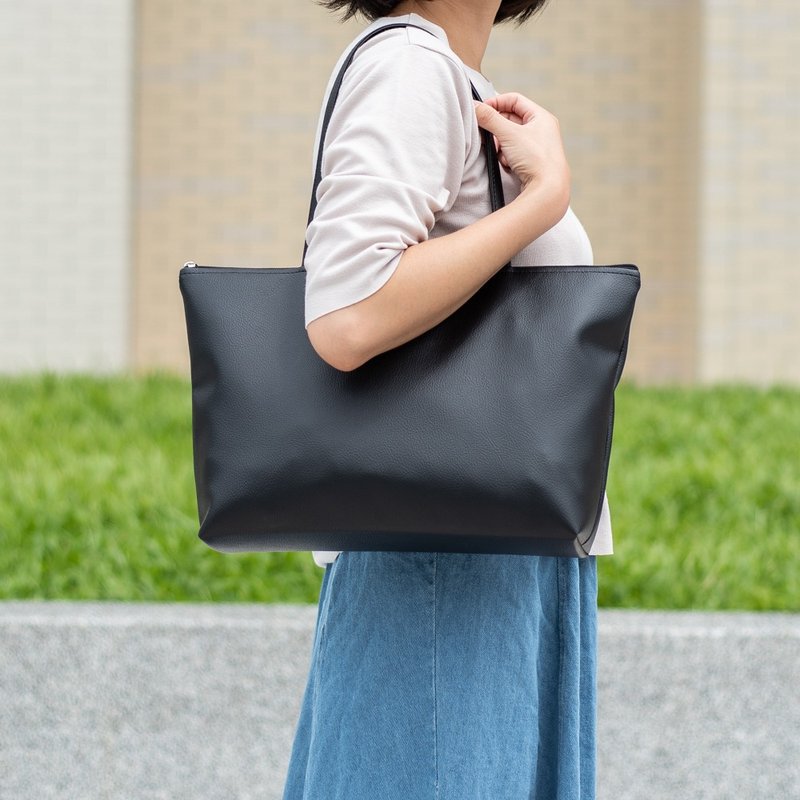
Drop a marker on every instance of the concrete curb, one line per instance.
(120, 701)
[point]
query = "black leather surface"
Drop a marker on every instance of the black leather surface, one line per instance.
(489, 433)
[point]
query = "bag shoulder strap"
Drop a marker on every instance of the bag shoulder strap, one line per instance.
(496, 197)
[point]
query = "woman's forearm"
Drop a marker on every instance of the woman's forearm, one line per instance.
(434, 278)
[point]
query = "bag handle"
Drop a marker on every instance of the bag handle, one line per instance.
(496, 196)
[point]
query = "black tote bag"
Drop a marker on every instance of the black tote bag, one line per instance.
(489, 433)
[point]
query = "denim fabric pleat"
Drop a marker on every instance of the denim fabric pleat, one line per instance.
(450, 676)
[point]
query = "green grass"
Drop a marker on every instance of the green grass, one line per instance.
(704, 489)
(97, 499)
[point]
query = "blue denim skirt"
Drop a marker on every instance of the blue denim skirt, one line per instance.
(450, 676)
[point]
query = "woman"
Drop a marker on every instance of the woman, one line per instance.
(453, 676)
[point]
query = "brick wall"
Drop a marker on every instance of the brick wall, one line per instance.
(229, 99)
(750, 281)
(228, 95)
(144, 134)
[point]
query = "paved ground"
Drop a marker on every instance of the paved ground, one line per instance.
(142, 701)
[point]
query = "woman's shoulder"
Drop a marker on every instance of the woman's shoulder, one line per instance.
(407, 53)
(409, 36)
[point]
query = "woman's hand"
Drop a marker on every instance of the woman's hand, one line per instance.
(436, 276)
(528, 140)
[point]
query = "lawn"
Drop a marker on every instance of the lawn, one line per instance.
(97, 499)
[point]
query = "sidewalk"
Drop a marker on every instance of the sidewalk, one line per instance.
(125, 701)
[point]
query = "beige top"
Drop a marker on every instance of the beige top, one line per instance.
(402, 162)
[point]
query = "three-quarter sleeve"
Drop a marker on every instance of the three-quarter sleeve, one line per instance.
(393, 157)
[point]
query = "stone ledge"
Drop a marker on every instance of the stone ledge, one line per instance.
(149, 700)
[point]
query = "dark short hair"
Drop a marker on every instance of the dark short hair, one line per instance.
(519, 10)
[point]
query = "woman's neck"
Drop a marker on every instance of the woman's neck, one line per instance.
(467, 23)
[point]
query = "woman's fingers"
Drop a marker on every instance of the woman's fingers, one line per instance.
(533, 152)
(513, 101)
(516, 104)
(509, 115)
(489, 118)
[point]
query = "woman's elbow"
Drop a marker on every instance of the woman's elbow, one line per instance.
(336, 338)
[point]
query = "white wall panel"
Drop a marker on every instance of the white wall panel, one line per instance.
(65, 160)
(750, 280)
